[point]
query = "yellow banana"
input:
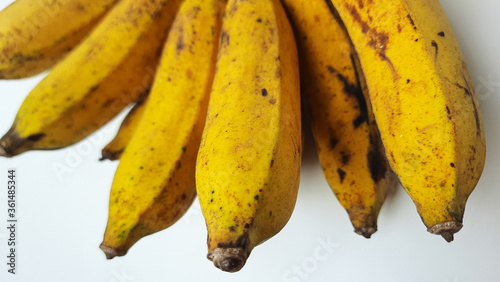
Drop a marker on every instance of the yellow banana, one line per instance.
(248, 166)
(114, 150)
(423, 102)
(34, 34)
(155, 181)
(343, 125)
(113, 67)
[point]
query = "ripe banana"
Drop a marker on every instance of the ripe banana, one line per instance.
(343, 125)
(248, 166)
(155, 181)
(114, 150)
(34, 34)
(423, 102)
(113, 67)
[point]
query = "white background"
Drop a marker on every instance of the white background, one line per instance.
(62, 219)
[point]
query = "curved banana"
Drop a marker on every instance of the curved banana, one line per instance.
(113, 67)
(34, 34)
(423, 101)
(343, 125)
(248, 166)
(155, 181)
(114, 149)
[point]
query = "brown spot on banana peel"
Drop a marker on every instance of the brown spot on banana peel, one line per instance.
(441, 33)
(361, 5)
(345, 157)
(231, 257)
(378, 40)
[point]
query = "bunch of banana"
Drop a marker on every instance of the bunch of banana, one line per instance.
(217, 88)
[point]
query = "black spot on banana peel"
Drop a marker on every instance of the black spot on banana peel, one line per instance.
(435, 45)
(333, 143)
(264, 92)
(355, 91)
(341, 174)
(376, 161)
(411, 21)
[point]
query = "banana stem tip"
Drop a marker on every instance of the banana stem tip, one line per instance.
(228, 259)
(366, 232)
(3, 152)
(108, 155)
(111, 252)
(446, 229)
